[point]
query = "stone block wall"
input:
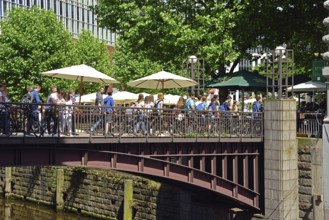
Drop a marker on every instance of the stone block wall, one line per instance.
(100, 193)
(310, 177)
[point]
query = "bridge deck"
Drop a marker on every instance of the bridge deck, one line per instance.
(218, 151)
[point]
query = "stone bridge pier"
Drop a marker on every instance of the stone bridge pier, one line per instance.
(280, 160)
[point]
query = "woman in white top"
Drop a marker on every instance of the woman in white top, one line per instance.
(67, 115)
(140, 101)
(140, 118)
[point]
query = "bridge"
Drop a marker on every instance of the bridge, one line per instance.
(216, 151)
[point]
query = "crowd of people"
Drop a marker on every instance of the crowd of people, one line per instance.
(61, 106)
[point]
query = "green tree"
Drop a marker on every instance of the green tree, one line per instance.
(32, 41)
(128, 65)
(92, 52)
(168, 31)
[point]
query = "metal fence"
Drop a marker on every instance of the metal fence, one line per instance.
(96, 121)
(310, 124)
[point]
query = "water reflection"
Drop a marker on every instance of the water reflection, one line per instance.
(19, 210)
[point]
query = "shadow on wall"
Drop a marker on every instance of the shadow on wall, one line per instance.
(36, 171)
(77, 177)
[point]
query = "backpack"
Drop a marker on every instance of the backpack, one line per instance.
(201, 106)
(27, 98)
(156, 106)
(186, 105)
(226, 106)
(255, 107)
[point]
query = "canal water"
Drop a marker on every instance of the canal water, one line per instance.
(14, 209)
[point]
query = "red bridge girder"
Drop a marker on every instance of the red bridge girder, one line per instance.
(148, 164)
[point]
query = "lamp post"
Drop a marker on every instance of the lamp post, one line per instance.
(279, 51)
(192, 60)
(194, 68)
(282, 67)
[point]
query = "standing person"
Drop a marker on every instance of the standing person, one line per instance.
(213, 113)
(235, 107)
(61, 109)
(190, 106)
(189, 110)
(179, 115)
(151, 100)
(227, 104)
(140, 101)
(201, 114)
(4, 110)
(214, 105)
(99, 101)
(34, 114)
(158, 104)
(257, 107)
(75, 110)
(157, 110)
(51, 112)
(99, 97)
(140, 118)
(199, 100)
(67, 115)
(109, 104)
(202, 106)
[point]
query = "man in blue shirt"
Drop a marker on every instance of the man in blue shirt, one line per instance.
(34, 116)
(108, 104)
(190, 106)
(257, 107)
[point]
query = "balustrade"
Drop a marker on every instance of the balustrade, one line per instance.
(18, 119)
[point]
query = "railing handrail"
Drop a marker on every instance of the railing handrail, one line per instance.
(127, 120)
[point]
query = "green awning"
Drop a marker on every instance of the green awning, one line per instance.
(241, 79)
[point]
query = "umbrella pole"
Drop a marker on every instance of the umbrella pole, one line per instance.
(80, 90)
(162, 82)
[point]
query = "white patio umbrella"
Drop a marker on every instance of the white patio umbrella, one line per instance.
(309, 86)
(81, 73)
(169, 99)
(162, 80)
(90, 98)
(124, 97)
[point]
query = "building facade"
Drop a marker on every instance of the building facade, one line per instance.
(76, 15)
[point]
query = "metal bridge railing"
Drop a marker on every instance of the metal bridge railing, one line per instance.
(310, 124)
(95, 121)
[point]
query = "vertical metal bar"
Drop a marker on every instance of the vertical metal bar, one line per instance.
(256, 175)
(235, 171)
(203, 160)
(190, 164)
(214, 168)
(245, 167)
(214, 162)
(141, 160)
(224, 161)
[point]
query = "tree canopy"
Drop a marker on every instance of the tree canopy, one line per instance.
(33, 40)
(166, 32)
